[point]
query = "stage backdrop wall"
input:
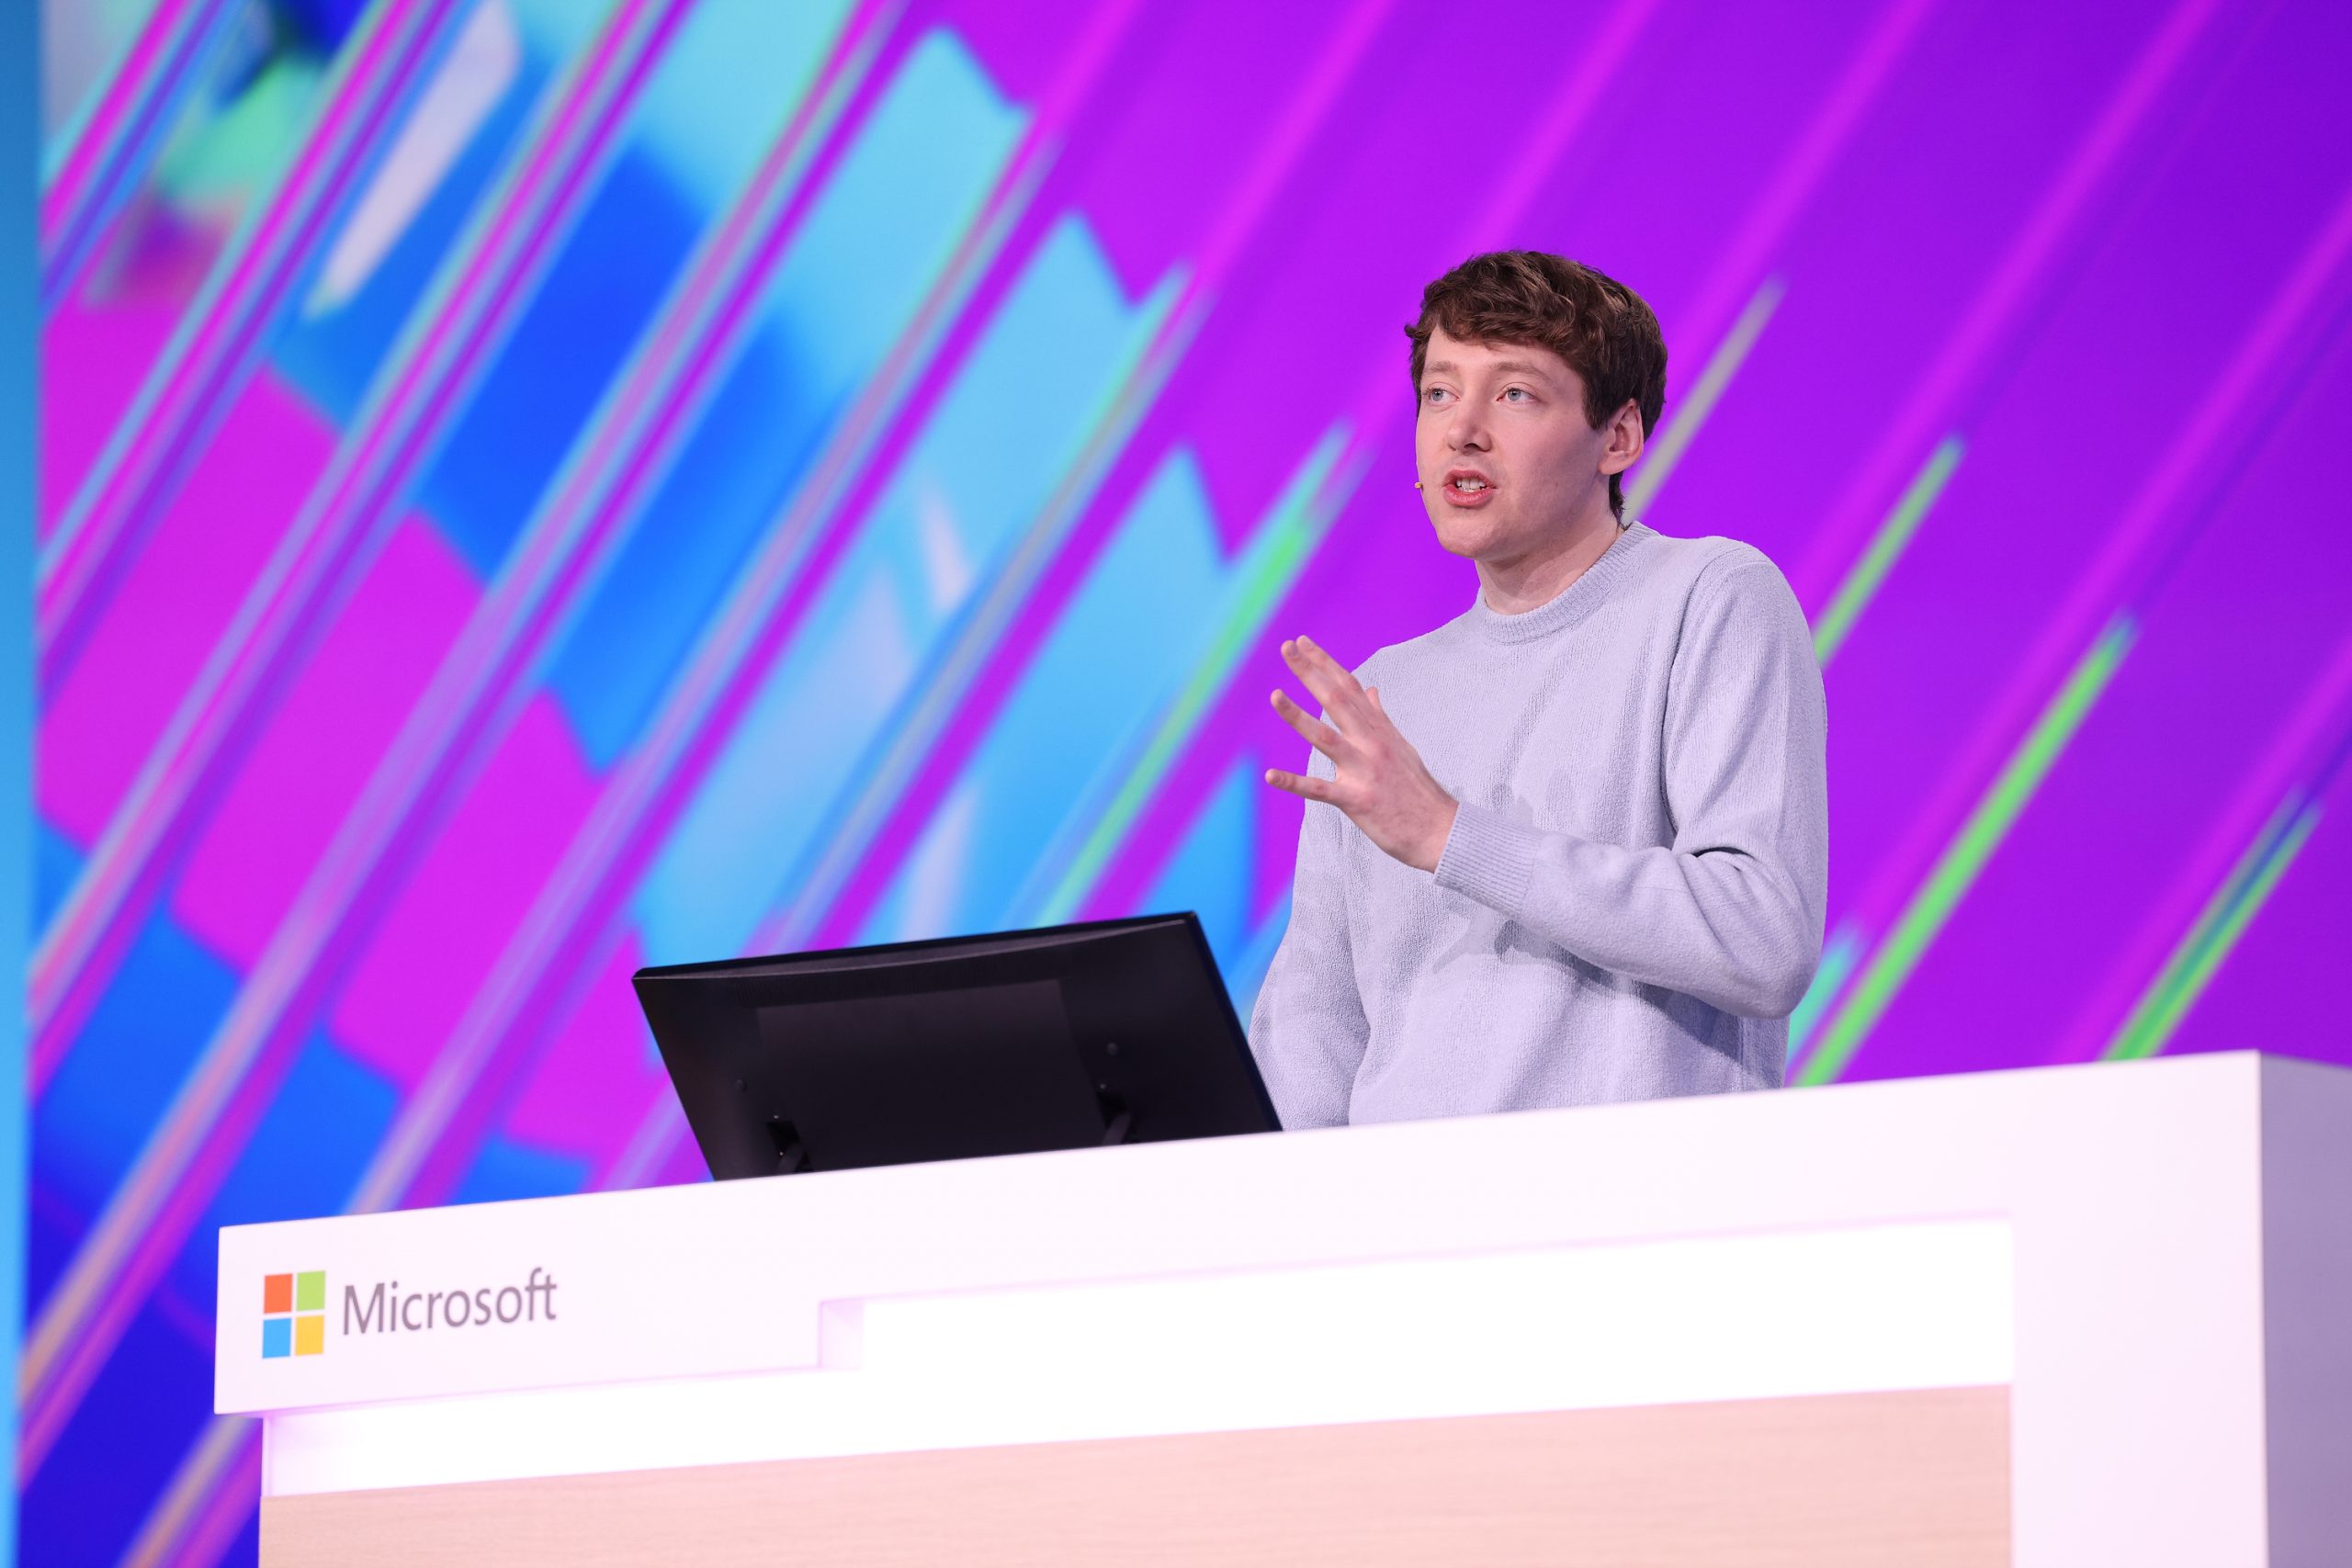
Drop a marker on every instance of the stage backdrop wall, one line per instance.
(536, 487)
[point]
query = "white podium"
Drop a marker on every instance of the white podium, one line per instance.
(2071, 1316)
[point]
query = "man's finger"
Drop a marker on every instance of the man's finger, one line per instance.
(1350, 689)
(1305, 785)
(1326, 677)
(1315, 733)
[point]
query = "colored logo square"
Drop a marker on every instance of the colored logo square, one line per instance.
(277, 1292)
(310, 1335)
(311, 1291)
(278, 1335)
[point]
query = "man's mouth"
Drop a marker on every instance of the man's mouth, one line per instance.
(1465, 487)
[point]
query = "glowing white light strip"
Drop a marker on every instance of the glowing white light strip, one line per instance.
(1859, 1310)
(480, 66)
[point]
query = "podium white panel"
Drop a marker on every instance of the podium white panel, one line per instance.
(2141, 1268)
(1827, 1312)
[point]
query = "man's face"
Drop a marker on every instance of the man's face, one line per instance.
(1505, 456)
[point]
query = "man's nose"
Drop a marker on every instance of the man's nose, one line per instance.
(1466, 432)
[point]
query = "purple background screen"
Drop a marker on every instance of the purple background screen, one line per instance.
(537, 487)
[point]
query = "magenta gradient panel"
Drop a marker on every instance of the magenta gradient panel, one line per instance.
(533, 488)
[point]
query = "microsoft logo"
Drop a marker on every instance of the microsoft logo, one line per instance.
(293, 1313)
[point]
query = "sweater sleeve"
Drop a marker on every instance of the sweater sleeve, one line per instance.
(1732, 911)
(1307, 1029)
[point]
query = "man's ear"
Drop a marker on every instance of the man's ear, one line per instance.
(1624, 433)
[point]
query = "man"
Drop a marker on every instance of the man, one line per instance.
(1572, 845)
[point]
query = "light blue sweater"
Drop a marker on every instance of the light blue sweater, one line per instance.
(1631, 902)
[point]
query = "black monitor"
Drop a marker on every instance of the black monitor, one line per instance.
(1108, 1032)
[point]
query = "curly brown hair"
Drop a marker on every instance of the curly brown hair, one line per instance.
(1602, 328)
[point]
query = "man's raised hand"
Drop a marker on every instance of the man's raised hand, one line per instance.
(1381, 783)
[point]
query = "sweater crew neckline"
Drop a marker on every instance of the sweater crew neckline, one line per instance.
(1570, 604)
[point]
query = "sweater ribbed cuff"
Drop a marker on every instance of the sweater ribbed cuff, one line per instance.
(1488, 857)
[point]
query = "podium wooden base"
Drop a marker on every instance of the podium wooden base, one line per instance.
(1918, 1477)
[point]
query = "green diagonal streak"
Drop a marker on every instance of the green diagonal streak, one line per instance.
(1280, 548)
(1956, 869)
(2154, 1024)
(2217, 909)
(1705, 393)
(1886, 546)
(1838, 956)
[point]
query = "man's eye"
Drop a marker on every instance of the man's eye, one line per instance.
(1433, 394)
(1520, 393)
